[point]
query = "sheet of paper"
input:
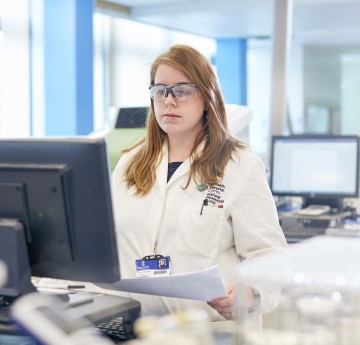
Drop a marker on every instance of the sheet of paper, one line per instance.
(203, 286)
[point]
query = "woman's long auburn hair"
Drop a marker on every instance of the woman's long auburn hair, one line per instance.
(208, 164)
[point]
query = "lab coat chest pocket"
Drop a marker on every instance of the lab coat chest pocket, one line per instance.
(197, 234)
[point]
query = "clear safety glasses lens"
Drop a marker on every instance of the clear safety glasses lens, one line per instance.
(181, 92)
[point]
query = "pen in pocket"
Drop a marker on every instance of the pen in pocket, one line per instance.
(205, 203)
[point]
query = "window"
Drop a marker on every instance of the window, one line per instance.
(124, 50)
(14, 69)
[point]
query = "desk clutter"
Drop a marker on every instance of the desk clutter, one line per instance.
(297, 226)
(190, 327)
(79, 318)
(319, 281)
(299, 223)
(46, 319)
(101, 316)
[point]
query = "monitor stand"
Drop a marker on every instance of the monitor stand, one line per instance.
(98, 308)
(13, 252)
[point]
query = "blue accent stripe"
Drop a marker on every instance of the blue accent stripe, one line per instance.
(67, 39)
(231, 65)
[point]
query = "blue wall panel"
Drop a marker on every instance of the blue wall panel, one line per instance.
(231, 65)
(67, 48)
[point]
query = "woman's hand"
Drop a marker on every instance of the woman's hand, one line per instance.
(226, 306)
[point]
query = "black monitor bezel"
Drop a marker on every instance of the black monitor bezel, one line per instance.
(88, 206)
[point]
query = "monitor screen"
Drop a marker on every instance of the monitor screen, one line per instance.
(315, 166)
(58, 190)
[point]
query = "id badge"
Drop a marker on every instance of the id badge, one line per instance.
(153, 266)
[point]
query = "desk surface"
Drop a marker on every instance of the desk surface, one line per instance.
(220, 337)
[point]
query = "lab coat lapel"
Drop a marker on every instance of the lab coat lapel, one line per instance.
(180, 171)
(162, 170)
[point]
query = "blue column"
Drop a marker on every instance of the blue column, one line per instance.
(62, 85)
(231, 65)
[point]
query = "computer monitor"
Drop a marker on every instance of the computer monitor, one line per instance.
(131, 117)
(320, 169)
(56, 215)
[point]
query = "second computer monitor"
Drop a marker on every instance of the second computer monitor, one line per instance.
(321, 169)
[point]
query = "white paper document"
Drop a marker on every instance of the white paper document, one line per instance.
(203, 286)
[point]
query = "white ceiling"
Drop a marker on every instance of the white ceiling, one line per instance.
(325, 22)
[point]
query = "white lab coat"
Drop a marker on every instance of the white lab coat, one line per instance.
(239, 223)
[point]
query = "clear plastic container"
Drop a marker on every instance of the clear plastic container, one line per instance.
(189, 327)
(318, 281)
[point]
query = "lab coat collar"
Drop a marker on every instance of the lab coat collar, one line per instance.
(184, 168)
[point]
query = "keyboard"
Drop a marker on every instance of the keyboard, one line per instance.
(5, 301)
(118, 329)
(298, 233)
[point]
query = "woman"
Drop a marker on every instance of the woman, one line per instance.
(190, 190)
